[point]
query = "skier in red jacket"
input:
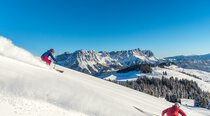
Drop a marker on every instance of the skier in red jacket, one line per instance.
(173, 111)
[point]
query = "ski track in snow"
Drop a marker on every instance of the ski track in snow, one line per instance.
(18, 106)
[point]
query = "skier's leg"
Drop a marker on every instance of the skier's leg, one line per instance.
(49, 62)
(44, 58)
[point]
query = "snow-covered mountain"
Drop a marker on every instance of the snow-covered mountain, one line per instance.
(200, 62)
(95, 63)
(32, 89)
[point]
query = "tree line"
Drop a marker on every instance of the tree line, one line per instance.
(171, 89)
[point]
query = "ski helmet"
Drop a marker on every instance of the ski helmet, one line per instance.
(177, 104)
(52, 50)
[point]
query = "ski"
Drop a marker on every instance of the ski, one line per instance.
(61, 71)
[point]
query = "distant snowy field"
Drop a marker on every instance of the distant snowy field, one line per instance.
(157, 72)
(205, 76)
(29, 88)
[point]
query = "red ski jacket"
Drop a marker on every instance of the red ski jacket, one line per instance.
(173, 111)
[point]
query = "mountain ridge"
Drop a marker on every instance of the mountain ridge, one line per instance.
(95, 63)
(200, 62)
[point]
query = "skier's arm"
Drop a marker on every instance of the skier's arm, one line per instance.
(53, 57)
(164, 111)
(182, 113)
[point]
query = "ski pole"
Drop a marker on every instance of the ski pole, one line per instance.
(54, 66)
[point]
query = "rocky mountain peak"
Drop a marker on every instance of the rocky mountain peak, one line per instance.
(148, 53)
(93, 62)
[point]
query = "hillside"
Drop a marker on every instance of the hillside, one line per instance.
(198, 62)
(30, 89)
(203, 78)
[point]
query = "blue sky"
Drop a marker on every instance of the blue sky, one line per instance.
(167, 27)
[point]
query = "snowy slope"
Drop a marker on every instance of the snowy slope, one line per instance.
(174, 71)
(158, 72)
(30, 90)
(132, 75)
(20, 106)
(205, 76)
